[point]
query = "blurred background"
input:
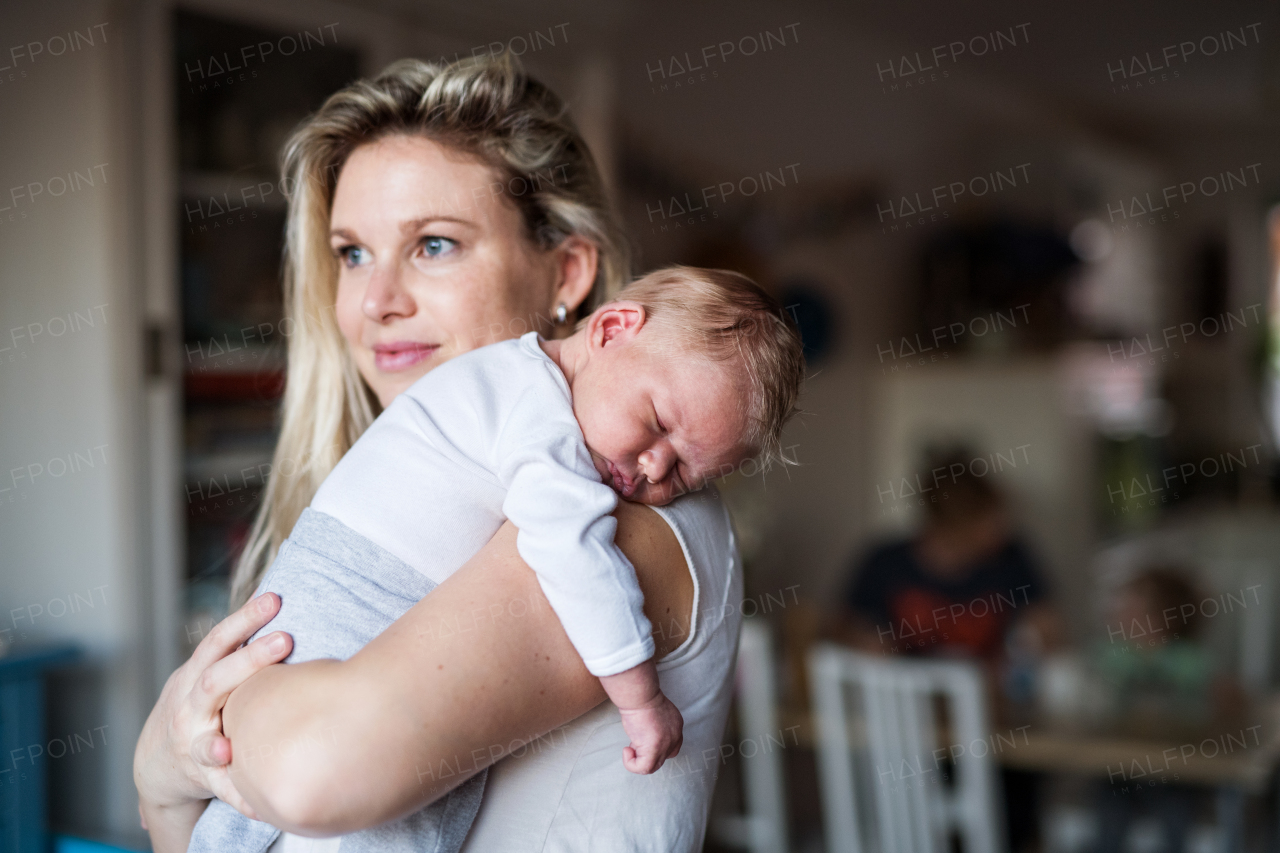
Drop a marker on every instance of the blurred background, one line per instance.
(1033, 250)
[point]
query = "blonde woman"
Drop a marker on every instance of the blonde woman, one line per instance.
(436, 209)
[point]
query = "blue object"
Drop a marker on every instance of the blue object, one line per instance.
(67, 844)
(803, 299)
(23, 772)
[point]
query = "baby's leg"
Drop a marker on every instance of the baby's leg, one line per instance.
(653, 723)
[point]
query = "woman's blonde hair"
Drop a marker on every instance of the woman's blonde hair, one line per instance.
(487, 107)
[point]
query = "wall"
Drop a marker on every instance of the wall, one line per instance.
(71, 389)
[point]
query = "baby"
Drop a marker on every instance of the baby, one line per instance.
(688, 373)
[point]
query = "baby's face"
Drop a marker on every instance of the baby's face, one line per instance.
(660, 424)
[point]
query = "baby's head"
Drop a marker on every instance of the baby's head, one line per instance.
(684, 376)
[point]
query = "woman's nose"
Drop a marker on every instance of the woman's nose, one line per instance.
(656, 463)
(386, 297)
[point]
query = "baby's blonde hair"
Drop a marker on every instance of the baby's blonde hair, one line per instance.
(724, 316)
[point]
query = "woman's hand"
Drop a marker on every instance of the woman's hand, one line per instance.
(181, 757)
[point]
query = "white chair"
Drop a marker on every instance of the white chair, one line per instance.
(882, 768)
(763, 829)
(1255, 618)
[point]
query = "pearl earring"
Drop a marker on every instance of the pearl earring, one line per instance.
(562, 314)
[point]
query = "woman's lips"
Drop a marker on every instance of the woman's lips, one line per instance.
(400, 355)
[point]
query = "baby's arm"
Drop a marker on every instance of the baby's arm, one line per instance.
(556, 499)
(650, 720)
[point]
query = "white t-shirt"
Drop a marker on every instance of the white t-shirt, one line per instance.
(568, 790)
(489, 436)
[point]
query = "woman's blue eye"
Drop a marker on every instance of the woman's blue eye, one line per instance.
(437, 246)
(353, 256)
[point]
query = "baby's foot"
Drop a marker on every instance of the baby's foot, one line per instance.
(657, 733)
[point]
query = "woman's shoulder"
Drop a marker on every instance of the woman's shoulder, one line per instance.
(701, 525)
(686, 557)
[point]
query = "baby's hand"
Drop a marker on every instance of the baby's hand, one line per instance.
(656, 732)
(650, 720)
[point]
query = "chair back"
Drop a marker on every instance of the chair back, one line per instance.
(904, 754)
(763, 827)
(1254, 642)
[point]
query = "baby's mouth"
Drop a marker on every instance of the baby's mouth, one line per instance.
(621, 484)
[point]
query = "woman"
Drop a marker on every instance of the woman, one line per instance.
(434, 210)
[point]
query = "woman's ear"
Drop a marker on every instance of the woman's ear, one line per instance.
(578, 259)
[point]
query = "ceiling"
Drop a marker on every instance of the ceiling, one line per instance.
(821, 94)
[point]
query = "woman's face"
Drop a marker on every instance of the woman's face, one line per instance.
(432, 263)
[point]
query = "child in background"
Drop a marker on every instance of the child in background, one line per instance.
(1157, 669)
(1159, 674)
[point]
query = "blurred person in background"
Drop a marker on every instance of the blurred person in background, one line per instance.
(1157, 669)
(965, 586)
(1164, 679)
(1161, 678)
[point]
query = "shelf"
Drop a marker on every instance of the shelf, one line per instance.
(227, 386)
(238, 466)
(222, 369)
(231, 212)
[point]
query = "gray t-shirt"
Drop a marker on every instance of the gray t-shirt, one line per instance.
(338, 591)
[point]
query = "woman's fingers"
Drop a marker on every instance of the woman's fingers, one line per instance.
(212, 750)
(227, 635)
(223, 789)
(225, 675)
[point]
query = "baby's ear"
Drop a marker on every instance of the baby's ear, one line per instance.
(616, 322)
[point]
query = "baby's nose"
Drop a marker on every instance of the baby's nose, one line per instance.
(656, 464)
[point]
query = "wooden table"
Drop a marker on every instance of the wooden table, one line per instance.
(1239, 760)
(1236, 760)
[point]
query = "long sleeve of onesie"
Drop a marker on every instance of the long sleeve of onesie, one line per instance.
(556, 499)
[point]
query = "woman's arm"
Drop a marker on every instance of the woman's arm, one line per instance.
(474, 670)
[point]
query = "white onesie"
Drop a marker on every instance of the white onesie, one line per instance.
(488, 436)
